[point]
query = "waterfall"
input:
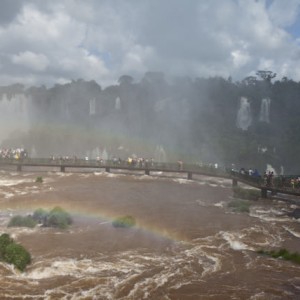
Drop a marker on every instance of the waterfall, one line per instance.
(95, 153)
(33, 153)
(104, 155)
(244, 118)
(160, 154)
(92, 107)
(264, 115)
(270, 169)
(14, 114)
(118, 103)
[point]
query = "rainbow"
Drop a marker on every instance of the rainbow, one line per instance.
(106, 216)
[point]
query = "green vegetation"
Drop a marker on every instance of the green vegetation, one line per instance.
(40, 215)
(124, 222)
(39, 179)
(13, 253)
(240, 205)
(20, 221)
(282, 253)
(57, 217)
(247, 194)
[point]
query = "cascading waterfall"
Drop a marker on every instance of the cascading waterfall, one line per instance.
(264, 115)
(95, 153)
(160, 154)
(14, 114)
(33, 153)
(92, 104)
(244, 118)
(104, 154)
(118, 103)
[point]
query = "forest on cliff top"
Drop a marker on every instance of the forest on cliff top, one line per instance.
(195, 120)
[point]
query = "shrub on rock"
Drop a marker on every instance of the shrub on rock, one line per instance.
(20, 221)
(247, 194)
(39, 179)
(13, 253)
(239, 205)
(58, 218)
(124, 222)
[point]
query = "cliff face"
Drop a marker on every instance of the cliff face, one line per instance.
(249, 123)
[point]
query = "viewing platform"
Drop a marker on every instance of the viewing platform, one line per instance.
(62, 165)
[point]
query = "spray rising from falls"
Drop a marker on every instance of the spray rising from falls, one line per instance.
(92, 104)
(160, 154)
(118, 103)
(14, 114)
(244, 118)
(264, 115)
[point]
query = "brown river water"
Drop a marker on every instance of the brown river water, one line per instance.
(187, 243)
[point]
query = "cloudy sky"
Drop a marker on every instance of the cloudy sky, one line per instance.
(55, 41)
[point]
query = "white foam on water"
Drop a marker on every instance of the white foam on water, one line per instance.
(201, 202)
(267, 218)
(291, 231)
(234, 241)
(8, 195)
(182, 181)
(220, 204)
(13, 182)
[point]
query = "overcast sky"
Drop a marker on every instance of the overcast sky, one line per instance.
(45, 42)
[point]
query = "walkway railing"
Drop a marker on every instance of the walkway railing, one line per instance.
(289, 183)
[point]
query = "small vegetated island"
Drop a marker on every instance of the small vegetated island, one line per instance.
(124, 222)
(57, 218)
(242, 199)
(282, 254)
(14, 253)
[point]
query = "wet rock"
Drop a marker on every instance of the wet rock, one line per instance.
(295, 214)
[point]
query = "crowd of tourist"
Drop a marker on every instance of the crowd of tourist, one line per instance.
(269, 179)
(18, 153)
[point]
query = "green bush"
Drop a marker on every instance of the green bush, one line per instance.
(282, 253)
(20, 221)
(39, 179)
(124, 222)
(248, 194)
(239, 205)
(13, 253)
(57, 217)
(40, 215)
(5, 240)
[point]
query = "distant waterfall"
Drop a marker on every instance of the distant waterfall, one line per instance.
(14, 114)
(95, 153)
(264, 115)
(160, 154)
(104, 154)
(33, 153)
(118, 103)
(244, 118)
(92, 107)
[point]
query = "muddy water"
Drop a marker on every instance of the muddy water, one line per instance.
(187, 243)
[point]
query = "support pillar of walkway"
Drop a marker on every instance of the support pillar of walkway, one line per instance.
(234, 183)
(147, 172)
(264, 193)
(19, 168)
(62, 169)
(189, 175)
(107, 169)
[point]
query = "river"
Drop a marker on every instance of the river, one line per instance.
(187, 242)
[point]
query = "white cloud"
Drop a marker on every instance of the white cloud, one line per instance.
(37, 62)
(56, 41)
